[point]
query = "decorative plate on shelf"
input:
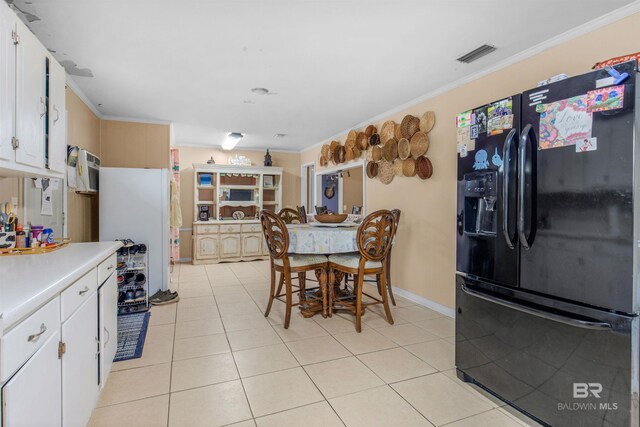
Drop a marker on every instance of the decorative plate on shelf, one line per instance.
(238, 215)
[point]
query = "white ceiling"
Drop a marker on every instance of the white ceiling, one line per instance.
(333, 64)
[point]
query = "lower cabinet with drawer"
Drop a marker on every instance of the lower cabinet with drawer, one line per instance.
(54, 362)
(225, 241)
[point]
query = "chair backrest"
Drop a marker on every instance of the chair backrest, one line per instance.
(375, 235)
(396, 216)
(356, 210)
(321, 209)
(275, 233)
(302, 212)
(290, 216)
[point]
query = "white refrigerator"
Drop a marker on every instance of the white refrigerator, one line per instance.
(134, 204)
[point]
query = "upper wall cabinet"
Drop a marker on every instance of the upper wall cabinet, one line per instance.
(7, 81)
(32, 103)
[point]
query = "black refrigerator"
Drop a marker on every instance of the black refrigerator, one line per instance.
(547, 256)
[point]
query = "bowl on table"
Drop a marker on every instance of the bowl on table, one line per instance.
(331, 218)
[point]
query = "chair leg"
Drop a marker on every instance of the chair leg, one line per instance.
(358, 291)
(289, 297)
(302, 282)
(393, 300)
(280, 284)
(271, 292)
(385, 300)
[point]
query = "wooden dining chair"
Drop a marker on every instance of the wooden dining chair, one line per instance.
(302, 212)
(277, 239)
(290, 216)
(374, 239)
(396, 216)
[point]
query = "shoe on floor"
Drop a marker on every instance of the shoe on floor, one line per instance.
(164, 297)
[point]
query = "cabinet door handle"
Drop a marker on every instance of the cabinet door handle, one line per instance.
(44, 107)
(84, 291)
(98, 347)
(57, 115)
(36, 337)
(106, 331)
(110, 267)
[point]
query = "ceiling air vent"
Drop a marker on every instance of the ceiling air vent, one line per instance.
(478, 53)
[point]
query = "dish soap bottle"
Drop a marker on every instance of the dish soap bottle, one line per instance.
(21, 237)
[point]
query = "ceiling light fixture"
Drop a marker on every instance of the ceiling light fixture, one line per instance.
(260, 90)
(231, 140)
(279, 135)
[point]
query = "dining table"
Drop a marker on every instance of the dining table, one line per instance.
(323, 239)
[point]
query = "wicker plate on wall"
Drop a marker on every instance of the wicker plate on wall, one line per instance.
(325, 151)
(404, 148)
(323, 160)
(362, 141)
(385, 172)
(374, 139)
(424, 167)
(390, 150)
(409, 167)
(397, 133)
(370, 130)
(388, 130)
(427, 121)
(351, 137)
(339, 154)
(369, 154)
(372, 169)
(376, 153)
(333, 145)
(397, 167)
(410, 125)
(419, 144)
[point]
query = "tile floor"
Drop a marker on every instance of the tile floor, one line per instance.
(213, 359)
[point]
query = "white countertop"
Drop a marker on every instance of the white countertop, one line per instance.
(27, 282)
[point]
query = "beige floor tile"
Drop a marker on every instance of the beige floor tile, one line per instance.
(518, 416)
(234, 298)
(405, 334)
(376, 321)
(159, 334)
(279, 391)
(196, 302)
(192, 278)
(153, 411)
(214, 405)
(197, 313)
(416, 313)
(440, 399)
(198, 328)
(319, 349)
(133, 384)
(277, 314)
(338, 324)
(379, 406)
(199, 284)
(194, 293)
(491, 399)
(315, 415)
(442, 327)
(300, 330)
(343, 376)
(228, 290)
(201, 371)
(224, 281)
(251, 338)
(262, 360)
(396, 364)
(153, 353)
(243, 322)
(163, 314)
(205, 345)
(493, 418)
(248, 423)
(235, 309)
(440, 354)
(364, 342)
(403, 302)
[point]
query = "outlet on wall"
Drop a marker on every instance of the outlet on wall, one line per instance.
(14, 204)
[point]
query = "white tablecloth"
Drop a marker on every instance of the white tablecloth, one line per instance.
(309, 239)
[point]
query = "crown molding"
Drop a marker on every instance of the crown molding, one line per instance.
(71, 84)
(571, 34)
(136, 120)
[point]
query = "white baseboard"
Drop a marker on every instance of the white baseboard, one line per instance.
(424, 302)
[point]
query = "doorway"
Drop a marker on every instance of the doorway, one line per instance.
(307, 186)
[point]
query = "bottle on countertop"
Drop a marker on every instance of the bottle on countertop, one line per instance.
(21, 237)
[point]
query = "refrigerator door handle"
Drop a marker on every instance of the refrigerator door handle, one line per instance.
(506, 149)
(584, 324)
(522, 167)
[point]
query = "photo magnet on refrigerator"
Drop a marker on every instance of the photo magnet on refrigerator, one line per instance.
(587, 144)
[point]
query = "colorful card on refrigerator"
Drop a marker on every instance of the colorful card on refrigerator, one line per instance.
(608, 98)
(565, 122)
(463, 119)
(500, 116)
(480, 116)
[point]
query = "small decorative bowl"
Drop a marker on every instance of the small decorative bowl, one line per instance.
(331, 218)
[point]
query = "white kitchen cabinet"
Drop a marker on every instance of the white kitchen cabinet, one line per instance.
(7, 81)
(80, 364)
(207, 246)
(32, 396)
(57, 117)
(229, 245)
(108, 297)
(30, 98)
(251, 244)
